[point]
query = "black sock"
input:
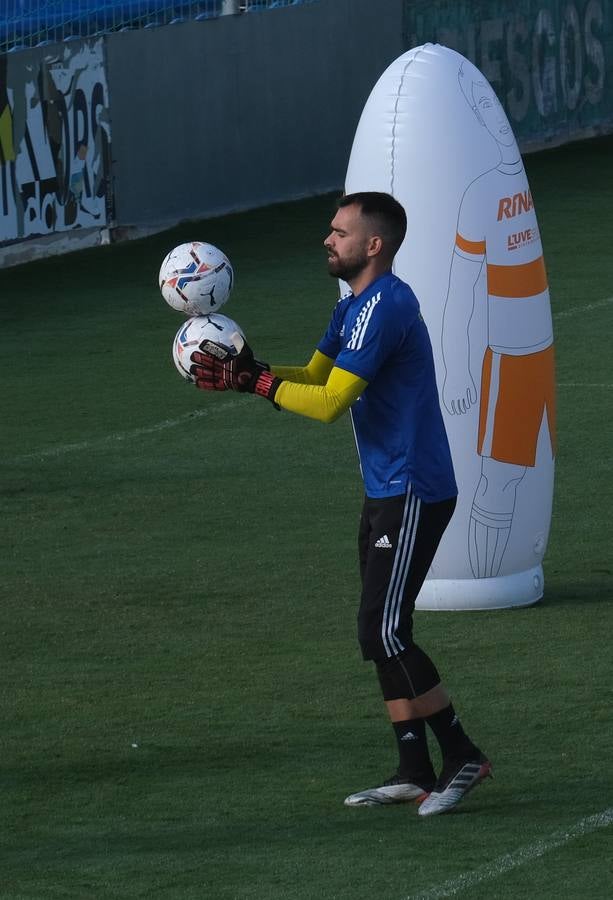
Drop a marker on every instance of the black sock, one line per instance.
(452, 738)
(415, 761)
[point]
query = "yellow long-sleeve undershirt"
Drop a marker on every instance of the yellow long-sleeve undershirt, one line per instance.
(316, 370)
(319, 390)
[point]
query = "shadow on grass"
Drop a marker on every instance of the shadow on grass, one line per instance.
(598, 589)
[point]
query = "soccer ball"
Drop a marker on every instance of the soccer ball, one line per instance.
(196, 278)
(218, 331)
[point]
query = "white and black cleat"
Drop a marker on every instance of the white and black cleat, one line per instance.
(456, 780)
(395, 790)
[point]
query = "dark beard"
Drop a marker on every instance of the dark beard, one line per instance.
(346, 271)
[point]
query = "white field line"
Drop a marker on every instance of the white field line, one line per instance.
(575, 310)
(117, 437)
(62, 449)
(519, 857)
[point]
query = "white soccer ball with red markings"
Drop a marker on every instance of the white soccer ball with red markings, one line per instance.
(196, 278)
(214, 334)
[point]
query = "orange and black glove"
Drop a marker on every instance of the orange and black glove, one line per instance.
(216, 368)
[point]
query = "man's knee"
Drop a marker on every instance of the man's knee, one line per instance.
(409, 674)
(376, 643)
(369, 632)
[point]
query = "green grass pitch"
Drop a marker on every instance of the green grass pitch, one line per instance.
(184, 705)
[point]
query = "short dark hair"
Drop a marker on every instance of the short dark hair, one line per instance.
(386, 214)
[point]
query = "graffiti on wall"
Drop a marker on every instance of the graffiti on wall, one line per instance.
(55, 141)
(549, 62)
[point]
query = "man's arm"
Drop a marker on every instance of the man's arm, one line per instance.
(316, 371)
(242, 372)
(322, 402)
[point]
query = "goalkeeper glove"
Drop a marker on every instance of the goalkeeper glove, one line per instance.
(217, 369)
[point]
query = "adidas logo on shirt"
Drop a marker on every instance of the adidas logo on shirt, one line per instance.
(383, 543)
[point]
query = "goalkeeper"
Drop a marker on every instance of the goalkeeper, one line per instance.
(375, 360)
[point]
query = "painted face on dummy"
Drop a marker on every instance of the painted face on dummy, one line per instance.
(491, 114)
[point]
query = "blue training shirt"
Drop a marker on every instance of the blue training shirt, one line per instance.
(400, 435)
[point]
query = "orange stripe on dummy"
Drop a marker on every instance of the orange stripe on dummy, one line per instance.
(476, 247)
(525, 280)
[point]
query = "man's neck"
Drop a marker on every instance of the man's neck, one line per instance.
(366, 277)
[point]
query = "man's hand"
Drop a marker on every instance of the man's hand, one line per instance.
(216, 369)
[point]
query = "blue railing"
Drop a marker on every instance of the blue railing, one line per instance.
(30, 23)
